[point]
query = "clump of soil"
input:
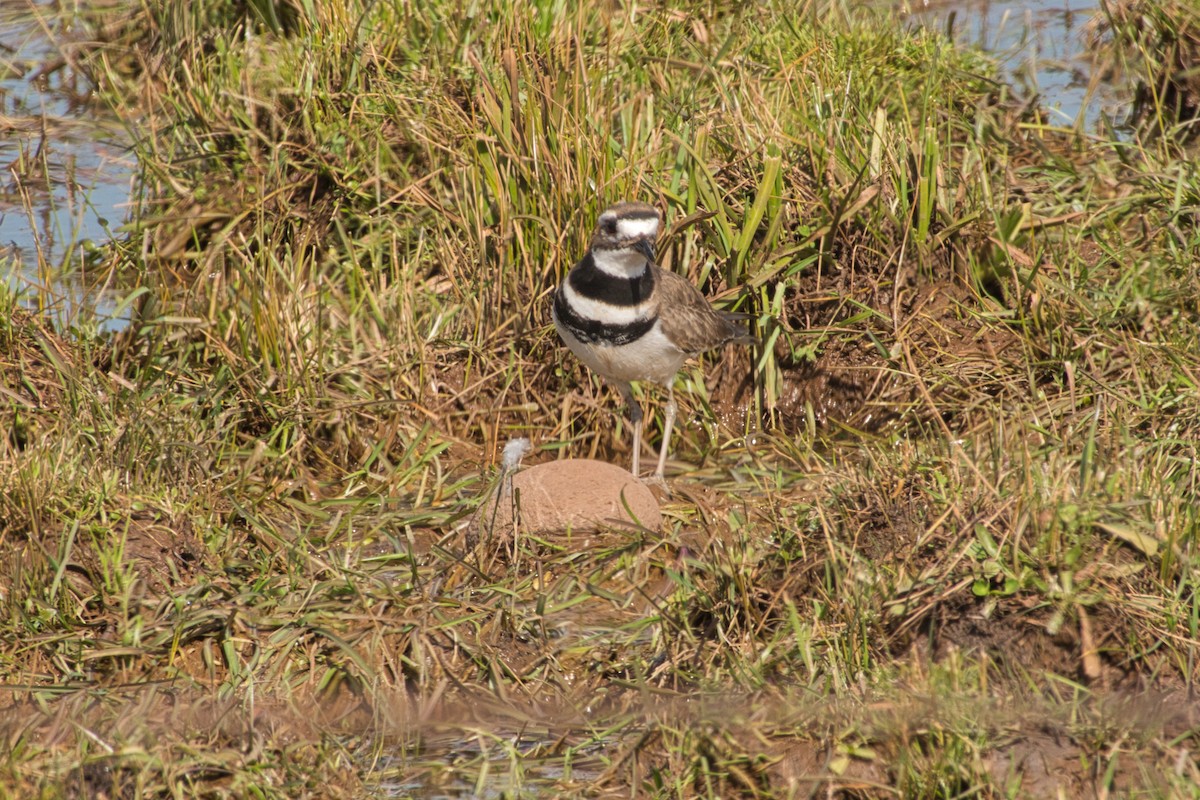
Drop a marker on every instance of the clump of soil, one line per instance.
(578, 494)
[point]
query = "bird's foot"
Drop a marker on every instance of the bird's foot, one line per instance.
(658, 484)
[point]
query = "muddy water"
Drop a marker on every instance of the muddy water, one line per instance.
(66, 169)
(510, 767)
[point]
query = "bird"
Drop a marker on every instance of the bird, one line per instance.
(629, 319)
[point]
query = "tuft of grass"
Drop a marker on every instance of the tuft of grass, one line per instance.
(1158, 46)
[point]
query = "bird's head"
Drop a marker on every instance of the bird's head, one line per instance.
(623, 242)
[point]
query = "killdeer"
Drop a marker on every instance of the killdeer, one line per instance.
(630, 320)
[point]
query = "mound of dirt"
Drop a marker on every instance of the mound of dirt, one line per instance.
(577, 494)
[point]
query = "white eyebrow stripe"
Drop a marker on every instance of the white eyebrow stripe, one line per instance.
(631, 228)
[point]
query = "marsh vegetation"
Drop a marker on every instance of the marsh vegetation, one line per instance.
(937, 537)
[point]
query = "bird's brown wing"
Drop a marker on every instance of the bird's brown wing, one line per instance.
(687, 318)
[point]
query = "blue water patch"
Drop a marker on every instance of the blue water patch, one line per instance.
(1044, 49)
(66, 170)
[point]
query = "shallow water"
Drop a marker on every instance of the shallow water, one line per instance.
(457, 765)
(66, 170)
(1042, 49)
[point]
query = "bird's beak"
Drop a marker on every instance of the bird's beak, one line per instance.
(645, 246)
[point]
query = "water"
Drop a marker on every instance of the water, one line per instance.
(66, 170)
(1042, 48)
(464, 761)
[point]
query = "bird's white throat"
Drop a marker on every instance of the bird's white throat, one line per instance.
(626, 263)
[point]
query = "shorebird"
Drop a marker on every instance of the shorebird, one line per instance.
(630, 320)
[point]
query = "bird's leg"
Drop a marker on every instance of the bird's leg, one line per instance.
(635, 419)
(668, 423)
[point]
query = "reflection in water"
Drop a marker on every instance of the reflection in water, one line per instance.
(1041, 47)
(65, 168)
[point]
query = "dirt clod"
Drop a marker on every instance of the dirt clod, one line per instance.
(577, 494)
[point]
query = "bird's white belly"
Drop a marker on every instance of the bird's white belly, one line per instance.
(652, 357)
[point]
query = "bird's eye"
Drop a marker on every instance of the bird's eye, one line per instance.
(610, 226)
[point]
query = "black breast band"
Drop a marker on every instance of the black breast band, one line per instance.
(595, 331)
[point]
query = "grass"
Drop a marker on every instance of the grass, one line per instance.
(937, 539)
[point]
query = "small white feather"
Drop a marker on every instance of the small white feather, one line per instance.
(514, 451)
